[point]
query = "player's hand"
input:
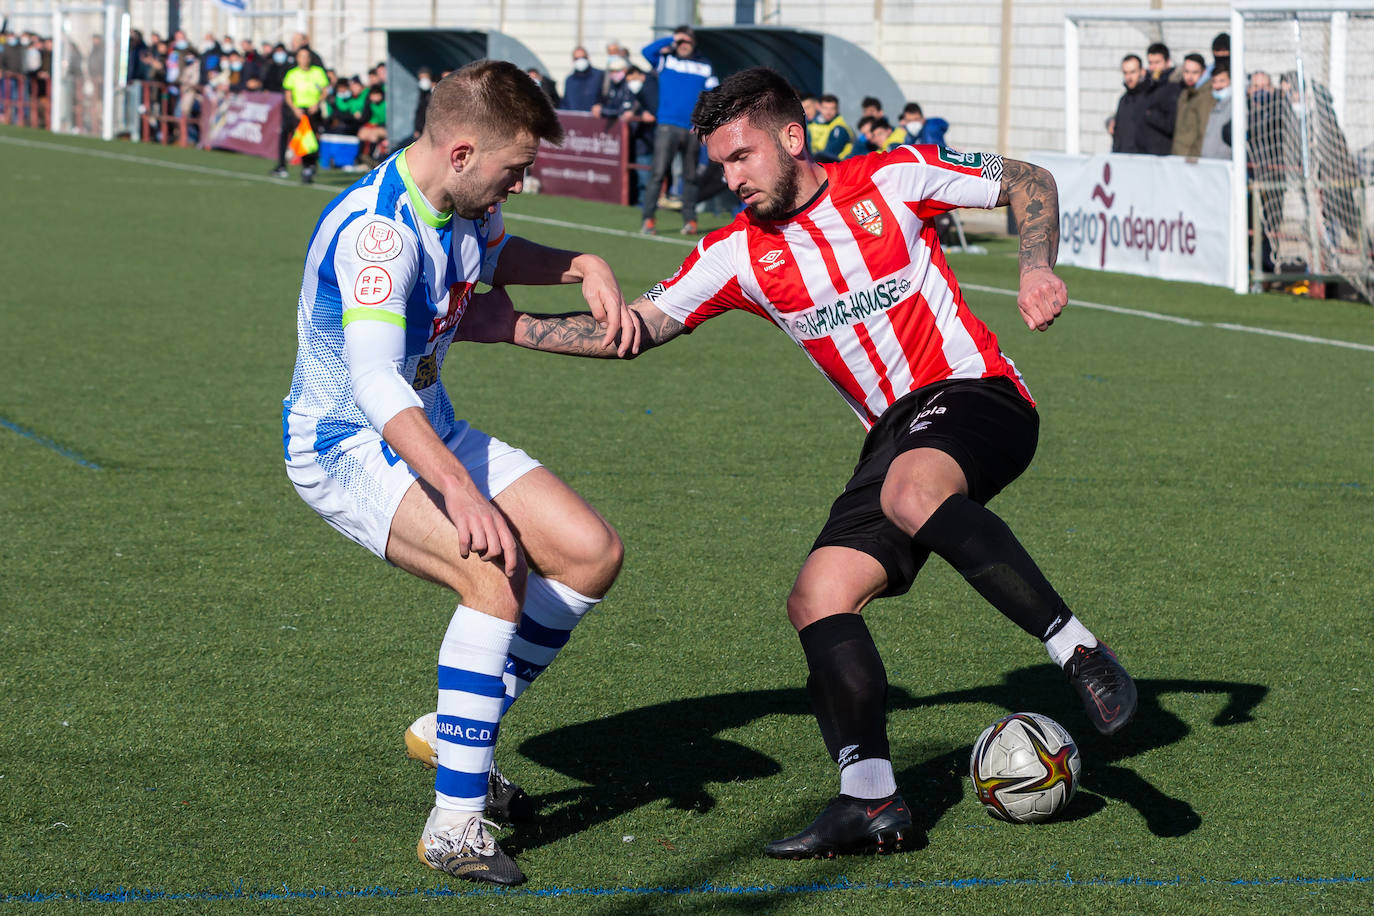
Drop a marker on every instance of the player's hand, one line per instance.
(482, 529)
(1042, 297)
(489, 318)
(602, 292)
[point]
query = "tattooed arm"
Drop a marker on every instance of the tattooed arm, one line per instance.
(578, 334)
(491, 318)
(1034, 200)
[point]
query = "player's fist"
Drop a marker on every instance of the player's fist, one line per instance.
(1042, 297)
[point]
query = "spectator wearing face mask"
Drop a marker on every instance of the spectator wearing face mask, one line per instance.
(278, 62)
(916, 129)
(617, 99)
(1216, 139)
(424, 81)
(346, 110)
(372, 143)
(583, 84)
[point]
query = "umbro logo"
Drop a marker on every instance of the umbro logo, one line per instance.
(773, 259)
(847, 754)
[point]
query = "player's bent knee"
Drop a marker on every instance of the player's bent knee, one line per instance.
(806, 605)
(909, 504)
(599, 560)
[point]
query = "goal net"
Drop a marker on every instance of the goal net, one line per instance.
(78, 70)
(1310, 145)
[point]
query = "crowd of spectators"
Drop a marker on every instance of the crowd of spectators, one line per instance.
(1179, 111)
(655, 95)
(1187, 111)
(174, 79)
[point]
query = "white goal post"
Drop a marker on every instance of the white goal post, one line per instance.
(1309, 177)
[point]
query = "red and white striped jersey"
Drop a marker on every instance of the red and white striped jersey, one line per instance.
(858, 278)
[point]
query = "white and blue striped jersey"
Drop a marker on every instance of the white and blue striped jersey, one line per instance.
(386, 281)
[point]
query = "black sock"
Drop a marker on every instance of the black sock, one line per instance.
(848, 687)
(982, 548)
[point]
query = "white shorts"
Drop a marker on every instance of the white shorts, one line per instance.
(358, 486)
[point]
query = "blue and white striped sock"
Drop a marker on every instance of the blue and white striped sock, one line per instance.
(550, 612)
(472, 658)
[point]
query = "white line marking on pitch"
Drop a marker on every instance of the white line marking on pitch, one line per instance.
(1157, 316)
(624, 233)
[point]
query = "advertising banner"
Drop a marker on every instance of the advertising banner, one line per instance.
(246, 122)
(1156, 216)
(592, 162)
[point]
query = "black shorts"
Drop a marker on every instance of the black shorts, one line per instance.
(984, 424)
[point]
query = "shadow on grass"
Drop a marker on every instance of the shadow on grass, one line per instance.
(672, 751)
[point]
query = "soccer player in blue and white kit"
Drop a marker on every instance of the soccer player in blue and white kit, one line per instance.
(372, 442)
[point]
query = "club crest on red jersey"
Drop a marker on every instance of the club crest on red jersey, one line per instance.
(868, 216)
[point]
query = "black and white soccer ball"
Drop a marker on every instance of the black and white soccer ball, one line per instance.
(1024, 768)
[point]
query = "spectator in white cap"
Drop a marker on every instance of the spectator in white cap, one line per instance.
(616, 99)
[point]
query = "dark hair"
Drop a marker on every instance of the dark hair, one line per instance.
(870, 102)
(829, 97)
(809, 96)
(758, 93)
(1197, 59)
(1159, 48)
(1222, 65)
(494, 97)
(911, 108)
(686, 30)
(1221, 43)
(865, 121)
(1134, 57)
(883, 123)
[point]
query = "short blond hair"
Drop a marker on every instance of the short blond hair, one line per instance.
(493, 97)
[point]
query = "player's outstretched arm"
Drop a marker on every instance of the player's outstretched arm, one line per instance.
(525, 263)
(1034, 200)
(492, 318)
(579, 333)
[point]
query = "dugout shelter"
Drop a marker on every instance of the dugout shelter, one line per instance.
(811, 61)
(407, 50)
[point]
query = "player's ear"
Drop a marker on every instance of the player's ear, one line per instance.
(460, 153)
(793, 138)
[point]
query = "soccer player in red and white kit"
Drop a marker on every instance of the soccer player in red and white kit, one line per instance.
(844, 258)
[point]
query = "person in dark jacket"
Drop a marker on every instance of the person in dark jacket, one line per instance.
(1161, 102)
(1130, 110)
(583, 84)
(616, 98)
(275, 70)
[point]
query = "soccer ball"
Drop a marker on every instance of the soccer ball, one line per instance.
(1024, 768)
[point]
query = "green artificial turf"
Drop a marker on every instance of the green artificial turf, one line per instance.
(206, 686)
